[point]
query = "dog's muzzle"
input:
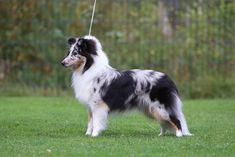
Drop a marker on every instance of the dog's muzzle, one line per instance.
(66, 62)
(63, 63)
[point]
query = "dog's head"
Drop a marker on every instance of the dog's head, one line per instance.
(82, 52)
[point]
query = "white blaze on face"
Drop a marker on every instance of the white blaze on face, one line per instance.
(68, 59)
(72, 48)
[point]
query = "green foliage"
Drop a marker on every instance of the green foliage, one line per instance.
(30, 126)
(192, 42)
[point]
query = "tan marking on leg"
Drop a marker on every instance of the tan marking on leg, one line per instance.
(89, 116)
(89, 123)
(156, 115)
(178, 132)
(173, 125)
(104, 105)
(163, 121)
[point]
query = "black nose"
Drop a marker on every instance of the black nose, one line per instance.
(62, 63)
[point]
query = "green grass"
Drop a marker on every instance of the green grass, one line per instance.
(31, 125)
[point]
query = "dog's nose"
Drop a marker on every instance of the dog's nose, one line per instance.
(63, 63)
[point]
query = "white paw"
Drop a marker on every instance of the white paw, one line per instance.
(188, 134)
(178, 133)
(89, 132)
(161, 133)
(95, 134)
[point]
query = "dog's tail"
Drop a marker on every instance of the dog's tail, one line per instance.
(177, 115)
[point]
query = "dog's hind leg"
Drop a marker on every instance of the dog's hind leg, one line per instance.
(175, 126)
(90, 124)
(180, 116)
(162, 131)
(99, 117)
(166, 121)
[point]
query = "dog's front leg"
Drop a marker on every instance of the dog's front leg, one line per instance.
(100, 116)
(90, 123)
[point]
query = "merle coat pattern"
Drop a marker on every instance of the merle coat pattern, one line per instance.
(104, 89)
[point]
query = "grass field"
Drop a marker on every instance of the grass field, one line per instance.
(31, 125)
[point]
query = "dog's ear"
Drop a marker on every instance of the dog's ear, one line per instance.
(89, 46)
(83, 43)
(71, 41)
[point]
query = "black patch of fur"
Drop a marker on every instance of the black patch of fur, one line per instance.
(71, 41)
(103, 88)
(98, 80)
(142, 86)
(145, 88)
(87, 48)
(119, 90)
(175, 121)
(163, 91)
(134, 101)
(151, 74)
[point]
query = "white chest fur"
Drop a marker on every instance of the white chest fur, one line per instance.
(84, 83)
(83, 87)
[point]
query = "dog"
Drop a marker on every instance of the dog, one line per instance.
(104, 89)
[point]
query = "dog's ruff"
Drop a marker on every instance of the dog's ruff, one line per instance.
(104, 89)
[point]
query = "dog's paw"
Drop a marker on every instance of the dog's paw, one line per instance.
(94, 134)
(161, 134)
(178, 133)
(88, 132)
(188, 134)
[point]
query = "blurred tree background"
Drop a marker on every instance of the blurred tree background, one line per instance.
(192, 41)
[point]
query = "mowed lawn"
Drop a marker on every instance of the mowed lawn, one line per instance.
(52, 126)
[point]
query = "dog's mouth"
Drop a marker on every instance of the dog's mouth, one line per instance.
(64, 64)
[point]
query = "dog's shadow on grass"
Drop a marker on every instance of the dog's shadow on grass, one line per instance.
(75, 130)
(133, 134)
(56, 130)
